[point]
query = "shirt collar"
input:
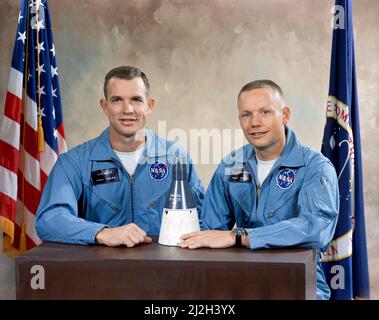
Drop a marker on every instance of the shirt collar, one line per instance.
(154, 146)
(292, 155)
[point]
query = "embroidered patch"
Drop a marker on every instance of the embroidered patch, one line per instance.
(158, 170)
(285, 178)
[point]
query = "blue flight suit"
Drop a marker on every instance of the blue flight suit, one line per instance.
(296, 205)
(89, 188)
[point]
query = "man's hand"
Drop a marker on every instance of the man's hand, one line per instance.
(208, 239)
(129, 235)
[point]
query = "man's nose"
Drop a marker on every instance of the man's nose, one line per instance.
(128, 108)
(256, 120)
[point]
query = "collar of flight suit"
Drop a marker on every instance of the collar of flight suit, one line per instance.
(102, 150)
(292, 155)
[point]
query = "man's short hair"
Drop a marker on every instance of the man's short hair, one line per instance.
(269, 84)
(126, 73)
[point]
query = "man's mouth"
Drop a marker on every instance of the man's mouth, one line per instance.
(128, 120)
(258, 134)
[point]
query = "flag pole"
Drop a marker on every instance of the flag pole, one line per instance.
(22, 246)
(40, 133)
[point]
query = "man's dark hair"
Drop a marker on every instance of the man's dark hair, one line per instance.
(126, 73)
(258, 84)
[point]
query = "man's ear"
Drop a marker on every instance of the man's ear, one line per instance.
(103, 104)
(286, 114)
(150, 104)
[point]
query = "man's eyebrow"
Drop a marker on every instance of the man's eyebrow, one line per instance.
(115, 96)
(258, 109)
(139, 97)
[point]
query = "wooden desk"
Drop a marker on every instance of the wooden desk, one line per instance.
(158, 272)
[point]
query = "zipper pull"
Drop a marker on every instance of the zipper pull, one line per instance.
(258, 191)
(130, 176)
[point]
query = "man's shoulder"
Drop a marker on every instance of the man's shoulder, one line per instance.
(296, 148)
(313, 158)
(236, 157)
(164, 141)
(169, 147)
(80, 152)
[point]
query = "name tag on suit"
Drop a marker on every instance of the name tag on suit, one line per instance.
(105, 176)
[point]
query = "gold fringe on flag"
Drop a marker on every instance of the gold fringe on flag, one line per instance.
(7, 226)
(22, 239)
(41, 137)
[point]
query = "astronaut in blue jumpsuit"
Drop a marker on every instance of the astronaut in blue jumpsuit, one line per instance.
(90, 197)
(295, 205)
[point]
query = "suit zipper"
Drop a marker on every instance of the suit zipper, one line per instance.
(131, 184)
(131, 193)
(257, 196)
(259, 188)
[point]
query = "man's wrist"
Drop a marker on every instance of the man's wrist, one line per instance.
(99, 235)
(245, 241)
(241, 238)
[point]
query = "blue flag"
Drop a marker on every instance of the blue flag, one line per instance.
(345, 261)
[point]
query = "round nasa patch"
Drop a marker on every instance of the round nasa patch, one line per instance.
(285, 178)
(158, 170)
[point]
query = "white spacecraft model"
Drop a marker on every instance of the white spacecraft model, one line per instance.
(179, 214)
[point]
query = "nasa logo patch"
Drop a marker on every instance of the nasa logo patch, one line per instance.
(158, 170)
(285, 179)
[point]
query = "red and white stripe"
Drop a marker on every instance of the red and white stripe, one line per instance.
(23, 170)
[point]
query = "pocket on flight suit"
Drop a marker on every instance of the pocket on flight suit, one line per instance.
(285, 208)
(154, 209)
(242, 194)
(101, 210)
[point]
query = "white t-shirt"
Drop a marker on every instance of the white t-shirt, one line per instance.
(130, 159)
(264, 168)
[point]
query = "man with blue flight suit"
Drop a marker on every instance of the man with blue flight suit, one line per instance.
(111, 190)
(273, 192)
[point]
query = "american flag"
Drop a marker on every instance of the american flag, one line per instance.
(31, 126)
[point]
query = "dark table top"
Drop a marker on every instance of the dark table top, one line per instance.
(49, 251)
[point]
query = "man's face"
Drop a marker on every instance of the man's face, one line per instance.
(262, 121)
(127, 106)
